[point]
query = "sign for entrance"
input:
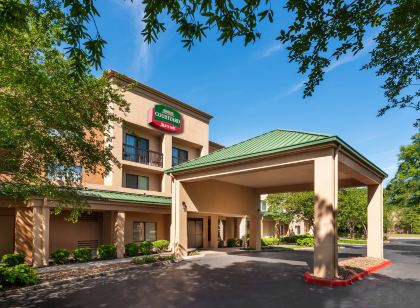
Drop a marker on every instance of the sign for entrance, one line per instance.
(165, 118)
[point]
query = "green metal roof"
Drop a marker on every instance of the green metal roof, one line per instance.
(275, 141)
(106, 195)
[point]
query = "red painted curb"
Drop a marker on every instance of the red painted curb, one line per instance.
(307, 277)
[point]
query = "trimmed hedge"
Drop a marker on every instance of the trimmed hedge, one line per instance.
(152, 259)
(106, 252)
(131, 249)
(234, 242)
(82, 254)
(146, 247)
(307, 242)
(61, 256)
(270, 241)
(13, 259)
(18, 275)
(160, 245)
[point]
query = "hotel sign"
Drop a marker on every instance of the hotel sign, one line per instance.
(165, 118)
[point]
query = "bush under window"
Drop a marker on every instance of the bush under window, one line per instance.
(146, 247)
(131, 249)
(160, 245)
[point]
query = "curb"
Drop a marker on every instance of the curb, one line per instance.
(308, 278)
(64, 281)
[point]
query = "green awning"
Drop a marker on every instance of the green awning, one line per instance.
(106, 195)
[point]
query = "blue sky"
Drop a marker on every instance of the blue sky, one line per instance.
(254, 89)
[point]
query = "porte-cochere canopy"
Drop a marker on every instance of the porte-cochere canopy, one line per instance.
(229, 182)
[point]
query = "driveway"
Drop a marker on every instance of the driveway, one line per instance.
(241, 279)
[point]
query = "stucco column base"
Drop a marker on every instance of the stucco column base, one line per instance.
(255, 233)
(242, 230)
(375, 246)
(214, 232)
(41, 232)
(179, 220)
(119, 234)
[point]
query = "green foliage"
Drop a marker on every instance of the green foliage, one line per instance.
(352, 211)
(131, 249)
(106, 252)
(160, 245)
(320, 34)
(18, 275)
(193, 252)
(402, 195)
(270, 241)
(232, 242)
(146, 247)
(61, 256)
(55, 116)
(82, 254)
(13, 259)
(306, 242)
(288, 206)
(152, 259)
(295, 238)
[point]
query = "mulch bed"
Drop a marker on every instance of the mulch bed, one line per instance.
(82, 271)
(350, 270)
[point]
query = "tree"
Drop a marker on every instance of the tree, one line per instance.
(53, 121)
(322, 31)
(289, 206)
(352, 210)
(402, 194)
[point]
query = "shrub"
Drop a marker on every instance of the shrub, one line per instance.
(82, 254)
(61, 256)
(152, 259)
(13, 259)
(240, 242)
(232, 242)
(131, 249)
(106, 252)
(306, 241)
(146, 247)
(160, 245)
(21, 274)
(270, 241)
(221, 244)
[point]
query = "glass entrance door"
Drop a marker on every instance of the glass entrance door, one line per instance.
(195, 232)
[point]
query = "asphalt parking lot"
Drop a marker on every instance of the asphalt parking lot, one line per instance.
(244, 279)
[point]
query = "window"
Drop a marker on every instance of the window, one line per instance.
(179, 156)
(136, 149)
(61, 173)
(144, 231)
(297, 230)
(136, 181)
(263, 206)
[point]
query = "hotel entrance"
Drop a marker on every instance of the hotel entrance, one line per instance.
(195, 232)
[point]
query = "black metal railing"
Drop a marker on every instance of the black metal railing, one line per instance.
(178, 160)
(142, 156)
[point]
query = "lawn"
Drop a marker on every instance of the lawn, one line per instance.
(350, 241)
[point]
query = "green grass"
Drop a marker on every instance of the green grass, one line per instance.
(405, 235)
(350, 241)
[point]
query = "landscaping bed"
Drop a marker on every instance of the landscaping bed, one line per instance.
(350, 270)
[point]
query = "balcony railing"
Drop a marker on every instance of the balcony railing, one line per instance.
(141, 156)
(178, 160)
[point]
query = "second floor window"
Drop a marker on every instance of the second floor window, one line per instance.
(179, 156)
(136, 149)
(136, 181)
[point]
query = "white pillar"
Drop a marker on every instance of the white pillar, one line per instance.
(375, 247)
(325, 226)
(255, 232)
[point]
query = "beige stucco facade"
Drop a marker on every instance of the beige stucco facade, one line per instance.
(210, 204)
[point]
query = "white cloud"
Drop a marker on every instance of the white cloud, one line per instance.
(141, 64)
(271, 50)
